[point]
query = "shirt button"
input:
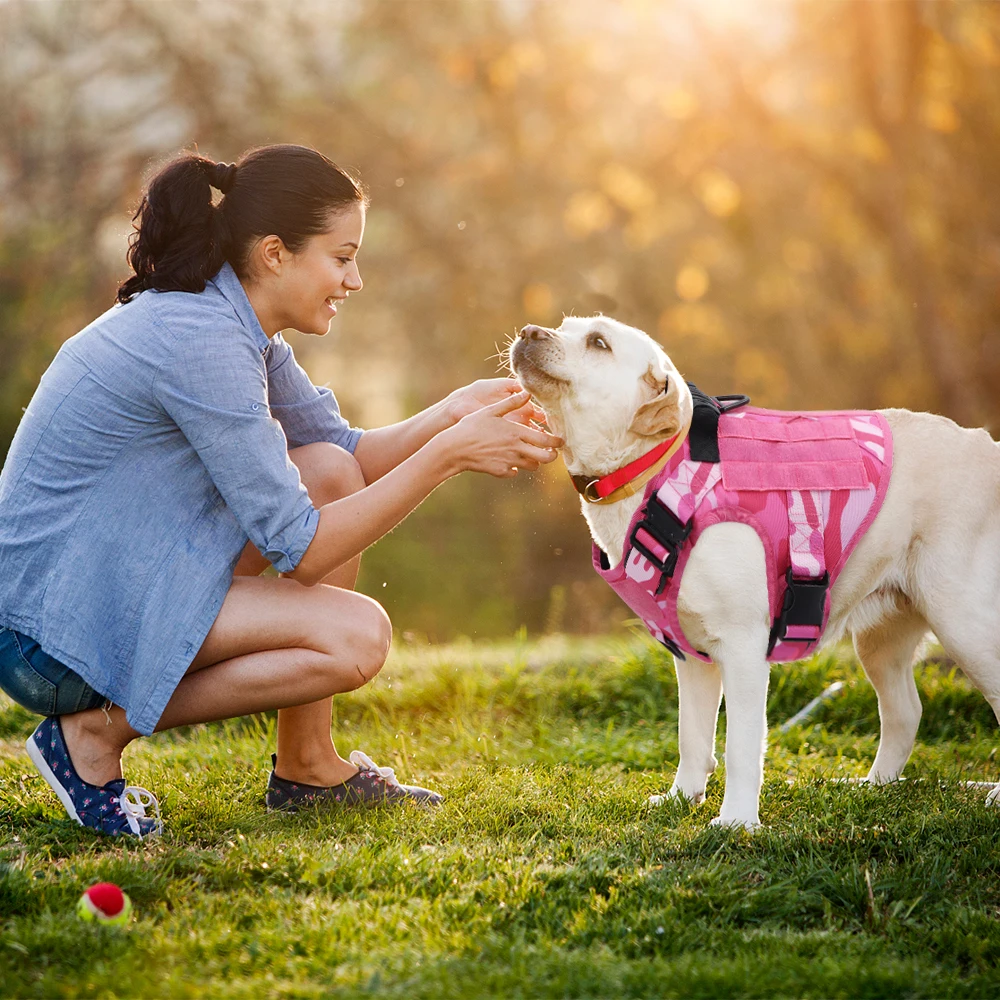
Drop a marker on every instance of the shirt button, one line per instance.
(255, 406)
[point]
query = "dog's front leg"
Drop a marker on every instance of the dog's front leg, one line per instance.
(744, 679)
(723, 609)
(699, 691)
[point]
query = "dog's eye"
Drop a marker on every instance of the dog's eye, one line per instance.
(596, 340)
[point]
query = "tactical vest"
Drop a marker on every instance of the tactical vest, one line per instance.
(810, 484)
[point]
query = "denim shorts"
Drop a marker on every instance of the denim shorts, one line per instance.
(38, 682)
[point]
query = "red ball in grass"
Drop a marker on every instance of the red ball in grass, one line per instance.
(106, 904)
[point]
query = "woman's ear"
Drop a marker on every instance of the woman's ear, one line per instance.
(271, 253)
(661, 416)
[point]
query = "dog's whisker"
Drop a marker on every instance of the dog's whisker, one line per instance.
(503, 354)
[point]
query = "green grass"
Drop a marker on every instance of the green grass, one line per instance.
(544, 873)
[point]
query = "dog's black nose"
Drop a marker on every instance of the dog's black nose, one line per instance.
(535, 333)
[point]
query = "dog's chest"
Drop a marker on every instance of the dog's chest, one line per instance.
(609, 524)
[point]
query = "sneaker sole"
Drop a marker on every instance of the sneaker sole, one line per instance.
(47, 773)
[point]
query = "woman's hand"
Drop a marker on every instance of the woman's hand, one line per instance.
(487, 391)
(495, 438)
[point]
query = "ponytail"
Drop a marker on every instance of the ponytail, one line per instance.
(181, 239)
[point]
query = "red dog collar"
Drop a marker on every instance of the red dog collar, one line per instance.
(625, 482)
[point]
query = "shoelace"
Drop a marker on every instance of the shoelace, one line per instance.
(362, 760)
(133, 802)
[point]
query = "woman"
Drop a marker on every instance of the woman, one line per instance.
(174, 448)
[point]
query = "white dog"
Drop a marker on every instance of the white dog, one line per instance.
(929, 561)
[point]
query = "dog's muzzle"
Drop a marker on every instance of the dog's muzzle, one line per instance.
(528, 355)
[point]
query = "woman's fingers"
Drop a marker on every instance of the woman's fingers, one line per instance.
(508, 404)
(521, 416)
(529, 414)
(502, 446)
(540, 438)
(540, 456)
(490, 390)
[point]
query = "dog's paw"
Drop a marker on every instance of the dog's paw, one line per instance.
(736, 823)
(672, 796)
(692, 797)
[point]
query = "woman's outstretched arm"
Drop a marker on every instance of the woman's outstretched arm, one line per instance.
(484, 440)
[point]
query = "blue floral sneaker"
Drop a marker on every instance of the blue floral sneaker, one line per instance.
(114, 808)
(372, 785)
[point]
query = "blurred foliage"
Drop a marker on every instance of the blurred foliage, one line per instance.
(797, 199)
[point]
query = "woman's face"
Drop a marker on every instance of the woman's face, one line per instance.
(323, 273)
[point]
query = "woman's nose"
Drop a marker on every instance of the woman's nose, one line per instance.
(352, 280)
(535, 333)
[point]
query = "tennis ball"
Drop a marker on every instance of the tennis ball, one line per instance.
(106, 904)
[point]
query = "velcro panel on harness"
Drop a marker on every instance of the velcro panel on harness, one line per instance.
(805, 454)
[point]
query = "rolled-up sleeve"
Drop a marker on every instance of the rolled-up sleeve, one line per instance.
(307, 412)
(216, 391)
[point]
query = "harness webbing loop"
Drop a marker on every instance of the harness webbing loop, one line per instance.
(663, 526)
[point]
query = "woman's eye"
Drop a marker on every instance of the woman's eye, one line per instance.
(344, 260)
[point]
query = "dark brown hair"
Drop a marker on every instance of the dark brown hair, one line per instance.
(181, 239)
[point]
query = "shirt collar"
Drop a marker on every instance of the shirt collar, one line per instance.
(229, 284)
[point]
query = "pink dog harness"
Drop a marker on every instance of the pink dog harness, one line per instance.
(810, 484)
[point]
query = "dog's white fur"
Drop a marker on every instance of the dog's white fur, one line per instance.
(930, 561)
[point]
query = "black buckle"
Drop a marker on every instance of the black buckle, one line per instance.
(662, 524)
(803, 604)
(673, 647)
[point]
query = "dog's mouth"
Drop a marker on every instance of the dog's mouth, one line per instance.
(531, 371)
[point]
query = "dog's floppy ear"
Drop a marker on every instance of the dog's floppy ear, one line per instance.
(660, 417)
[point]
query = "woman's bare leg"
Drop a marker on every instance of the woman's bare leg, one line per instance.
(278, 644)
(274, 644)
(306, 751)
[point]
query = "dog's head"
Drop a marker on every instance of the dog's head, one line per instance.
(608, 389)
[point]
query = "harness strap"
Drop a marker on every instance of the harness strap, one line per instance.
(660, 525)
(807, 580)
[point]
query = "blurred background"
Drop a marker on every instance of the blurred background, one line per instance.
(796, 199)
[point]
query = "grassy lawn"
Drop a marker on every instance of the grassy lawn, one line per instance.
(545, 873)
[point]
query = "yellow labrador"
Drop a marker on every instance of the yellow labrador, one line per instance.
(929, 561)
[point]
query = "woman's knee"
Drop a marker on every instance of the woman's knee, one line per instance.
(375, 648)
(328, 472)
(360, 646)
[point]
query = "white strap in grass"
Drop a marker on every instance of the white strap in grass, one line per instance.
(134, 801)
(363, 761)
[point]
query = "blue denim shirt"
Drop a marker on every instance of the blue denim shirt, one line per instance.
(155, 445)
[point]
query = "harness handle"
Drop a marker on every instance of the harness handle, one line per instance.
(734, 401)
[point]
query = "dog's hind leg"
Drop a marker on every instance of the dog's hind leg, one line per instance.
(699, 691)
(886, 651)
(974, 643)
